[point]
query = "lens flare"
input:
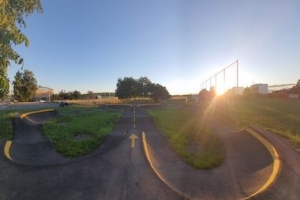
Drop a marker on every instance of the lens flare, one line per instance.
(220, 91)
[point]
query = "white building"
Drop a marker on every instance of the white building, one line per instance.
(261, 88)
(43, 93)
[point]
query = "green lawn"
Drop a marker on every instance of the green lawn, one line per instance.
(78, 130)
(190, 137)
(281, 116)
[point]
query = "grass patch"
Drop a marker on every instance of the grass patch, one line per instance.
(190, 137)
(6, 131)
(6, 116)
(64, 130)
(281, 116)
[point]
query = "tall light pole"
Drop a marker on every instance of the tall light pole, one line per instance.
(237, 74)
(49, 95)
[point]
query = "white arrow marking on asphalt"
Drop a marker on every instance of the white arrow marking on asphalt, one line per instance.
(133, 137)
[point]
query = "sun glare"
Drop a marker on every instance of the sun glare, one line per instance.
(220, 91)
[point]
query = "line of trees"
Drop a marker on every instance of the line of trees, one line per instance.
(129, 87)
(296, 88)
(67, 95)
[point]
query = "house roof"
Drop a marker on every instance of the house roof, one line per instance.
(44, 88)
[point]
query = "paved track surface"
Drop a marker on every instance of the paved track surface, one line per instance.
(247, 166)
(29, 145)
(28, 105)
(117, 171)
(287, 185)
(114, 171)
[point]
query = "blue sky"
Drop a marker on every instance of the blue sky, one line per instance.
(88, 45)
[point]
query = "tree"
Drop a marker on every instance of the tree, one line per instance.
(76, 94)
(203, 94)
(90, 94)
(248, 92)
(126, 88)
(18, 86)
(54, 97)
(25, 86)
(4, 85)
(64, 95)
(12, 14)
(143, 87)
(158, 92)
(296, 88)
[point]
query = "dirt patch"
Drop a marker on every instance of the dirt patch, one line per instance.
(62, 123)
(82, 137)
(194, 148)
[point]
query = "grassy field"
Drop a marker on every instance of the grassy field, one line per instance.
(281, 116)
(79, 130)
(190, 137)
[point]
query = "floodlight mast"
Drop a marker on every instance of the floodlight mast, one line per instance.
(237, 74)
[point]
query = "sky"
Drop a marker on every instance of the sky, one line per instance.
(88, 45)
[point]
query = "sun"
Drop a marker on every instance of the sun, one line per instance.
(220, 91)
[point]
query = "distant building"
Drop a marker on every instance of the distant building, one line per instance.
(43, 93)
(99, 95)
(260, 88)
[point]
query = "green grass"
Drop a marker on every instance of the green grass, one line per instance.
(190, 137)
(74, 121)
(280, 116)
(6, 131)
(6, 116)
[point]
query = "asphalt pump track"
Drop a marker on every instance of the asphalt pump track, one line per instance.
(31, 147)
(249, 171)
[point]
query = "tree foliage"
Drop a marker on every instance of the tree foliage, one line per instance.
(12, 19)
(159, 92)
(248, 92)
(90, 94)
(25, 86)
(126, 88)
(296, 88)
(4, 85)
(54, 97)
(144, 87)
(76, 94)
(204, 94)
(129, 87)
(68, 95)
